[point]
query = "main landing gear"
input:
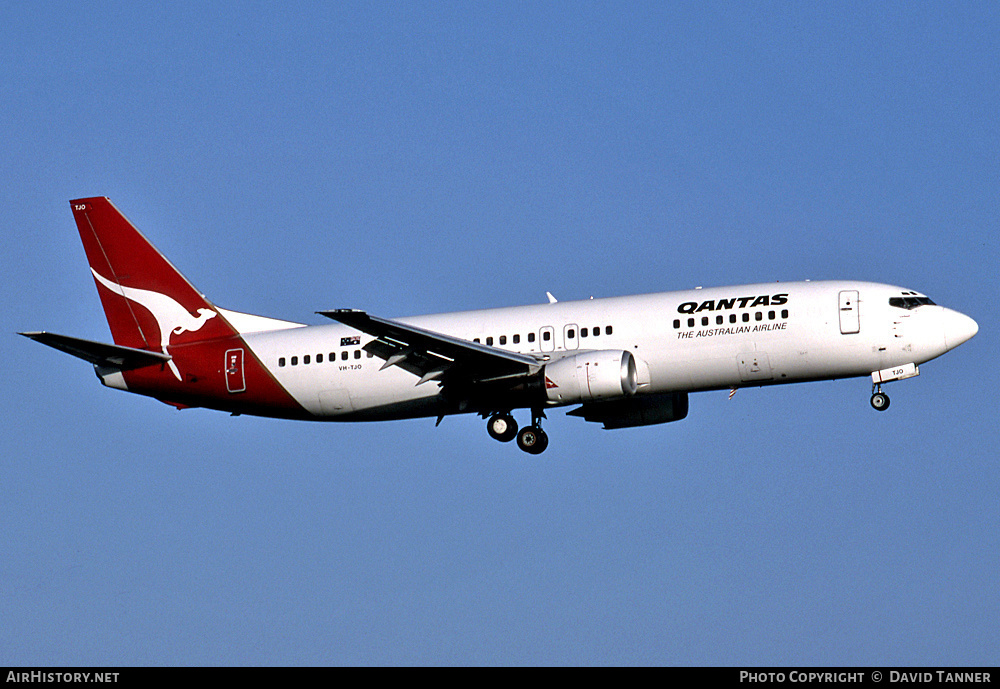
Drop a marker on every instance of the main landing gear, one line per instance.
(532, 439)
(880, 400)
(502, 427)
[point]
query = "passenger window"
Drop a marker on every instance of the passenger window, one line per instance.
(570, 334)
(305, 359)
(357, 353)
(597, 332)
(531, 337)
(719, 320)
(784, 313)
(690, 322)
(343, 355)
(732, 318)
(704, 320)
(546, 336)
(319, 358)
(281, 361)
(583, 332)
(333, 356)
(370, 355)
(503, 339)
(475, 339)
(746, 318)
(295, 361)
(489, 341)
(607, 330)
(770, 315)
(677, 324)
(758, 316)
(517, 339)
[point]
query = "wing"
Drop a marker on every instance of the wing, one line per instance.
(435, 356)
(99, 353)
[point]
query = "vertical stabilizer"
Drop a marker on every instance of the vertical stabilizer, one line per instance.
(148, 303)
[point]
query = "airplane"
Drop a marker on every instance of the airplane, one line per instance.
(626, 361)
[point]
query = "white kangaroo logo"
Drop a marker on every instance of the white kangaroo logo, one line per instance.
(171, 317)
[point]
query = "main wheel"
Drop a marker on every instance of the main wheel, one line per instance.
(502, 427)
(532, 440)
(880, 401)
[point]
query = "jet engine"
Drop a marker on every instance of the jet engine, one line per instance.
(591, 376)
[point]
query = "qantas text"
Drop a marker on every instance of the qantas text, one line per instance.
(733, 303)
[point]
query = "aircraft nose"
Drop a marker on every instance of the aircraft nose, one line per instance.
(958, 328)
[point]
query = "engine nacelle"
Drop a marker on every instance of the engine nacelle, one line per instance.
(642, 410)
(591, 376)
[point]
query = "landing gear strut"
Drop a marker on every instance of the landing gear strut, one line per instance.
(532, 439)
(502, 427)
(880, 400)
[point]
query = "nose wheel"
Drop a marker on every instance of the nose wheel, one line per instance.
(880, 400)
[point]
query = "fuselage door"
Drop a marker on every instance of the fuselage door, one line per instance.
(571, 335)
(547, 338)
(850, 316)
(234, 371)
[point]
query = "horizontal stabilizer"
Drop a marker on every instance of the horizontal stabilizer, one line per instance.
(100, 353)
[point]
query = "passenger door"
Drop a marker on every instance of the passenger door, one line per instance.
(547, 338)
(850, 316)
(571, 335)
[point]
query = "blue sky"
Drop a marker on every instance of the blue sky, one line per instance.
(430, 157)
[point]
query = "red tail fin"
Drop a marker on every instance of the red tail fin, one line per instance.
(148, 303)
(151, 306)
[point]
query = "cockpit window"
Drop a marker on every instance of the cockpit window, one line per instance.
(910, 302)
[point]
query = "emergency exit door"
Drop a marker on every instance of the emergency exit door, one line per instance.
(850, 316)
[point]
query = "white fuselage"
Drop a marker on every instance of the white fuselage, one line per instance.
(627, 361)
(687, 341)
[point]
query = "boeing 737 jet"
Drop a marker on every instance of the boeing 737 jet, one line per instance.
(622, 361)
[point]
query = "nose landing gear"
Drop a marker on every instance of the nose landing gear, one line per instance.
(880, 400)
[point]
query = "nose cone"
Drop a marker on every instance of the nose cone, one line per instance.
(958, 328)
